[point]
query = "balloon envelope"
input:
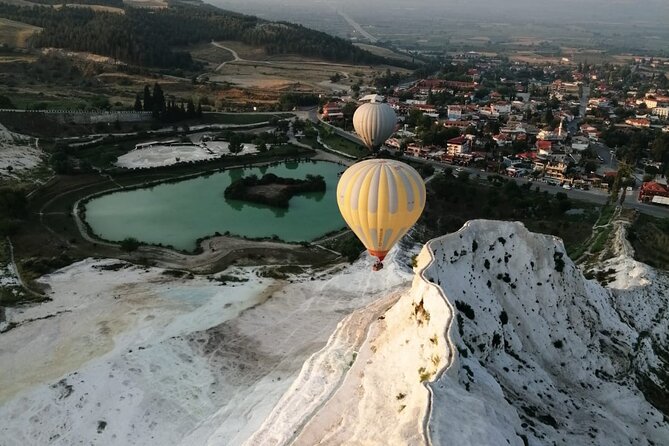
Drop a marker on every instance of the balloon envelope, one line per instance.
(380, 200)
(374, 122)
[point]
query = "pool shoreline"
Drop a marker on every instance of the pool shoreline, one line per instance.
(86, 229)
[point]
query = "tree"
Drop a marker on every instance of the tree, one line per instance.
(235, 145)
(5, 102)
(13, 202)
(158, 101)
(138, 103)
(403, 147)
(148, 103)
(129, 244)
(624, 171)
(659, 148)
(190, 108)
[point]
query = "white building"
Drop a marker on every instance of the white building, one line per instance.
(454, 112)
(662, 112)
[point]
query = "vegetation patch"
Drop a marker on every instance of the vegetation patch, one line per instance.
(451, 202)
(465, 308)
(649, 237)
(273, 190)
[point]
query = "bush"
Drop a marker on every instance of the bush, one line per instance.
(130, 244)
(559, 261)
(465, 308)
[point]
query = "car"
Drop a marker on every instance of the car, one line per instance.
(566, 186)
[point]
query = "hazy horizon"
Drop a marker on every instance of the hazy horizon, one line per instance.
(566, 11)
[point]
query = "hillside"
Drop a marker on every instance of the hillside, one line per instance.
(535, 354)
(499, 340)
(147, 37)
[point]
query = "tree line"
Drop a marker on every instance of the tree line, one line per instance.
(163, 109)
(147, 37)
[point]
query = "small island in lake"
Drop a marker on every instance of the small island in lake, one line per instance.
(273, 190)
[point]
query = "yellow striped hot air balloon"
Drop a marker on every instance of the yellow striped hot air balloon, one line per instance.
(380, 200)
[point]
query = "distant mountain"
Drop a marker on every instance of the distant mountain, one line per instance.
(147, 37)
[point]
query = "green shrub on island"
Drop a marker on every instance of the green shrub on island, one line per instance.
(273, 190)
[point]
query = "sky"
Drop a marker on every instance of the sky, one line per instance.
(550, 11)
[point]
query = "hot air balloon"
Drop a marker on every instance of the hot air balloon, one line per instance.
(374, 122)
(380, 200)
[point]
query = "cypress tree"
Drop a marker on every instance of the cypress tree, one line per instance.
(159, 106)
(148, 102)
(138, 103)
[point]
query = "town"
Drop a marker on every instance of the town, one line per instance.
(570, 125)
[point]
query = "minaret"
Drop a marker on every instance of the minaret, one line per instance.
(561, 128)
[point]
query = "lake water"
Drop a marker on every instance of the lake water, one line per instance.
(178, 214)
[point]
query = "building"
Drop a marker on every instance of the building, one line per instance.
(556, 170)
(662, 112)
(332, 110)
(566, 87)
(651, 189)
(371, 98)
(544, 147)
(458, 146)
(580, 143)
(454, 112)
(459, 124)
(500, 108)
(638, 122)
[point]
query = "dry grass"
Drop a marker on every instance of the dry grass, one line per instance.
(383, 52)
(211, 54)
(291, 72)
(16, 33)
(98, 8)
(533, 58)
(153, 4)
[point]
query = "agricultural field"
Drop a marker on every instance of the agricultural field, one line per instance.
(15, 34)
(252, 68)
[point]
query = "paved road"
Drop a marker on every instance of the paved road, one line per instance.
(358, 28)
(598, 196)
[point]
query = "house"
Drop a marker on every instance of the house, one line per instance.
(371, 98)
(503, 139)
(500, 108)
(580, 143)
(458, 146)
(544, 147)
(662, 112)
(418, 151)
(638, 122)
(566, 87)
(425, 86)
(459, 124)
(650, 189)
(454, 112)
(332, 110)
(425, 108)
(556, 169)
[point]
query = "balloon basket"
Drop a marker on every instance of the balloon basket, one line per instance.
(377, 266)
